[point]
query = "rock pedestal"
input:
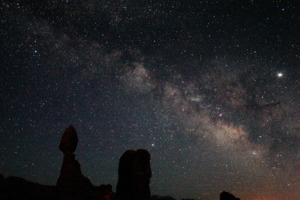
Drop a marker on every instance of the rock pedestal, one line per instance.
(71, 184)
(134, 175)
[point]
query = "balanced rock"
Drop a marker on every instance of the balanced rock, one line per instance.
(71, 184)
(134, 175)
(69, 140)
(227, 196)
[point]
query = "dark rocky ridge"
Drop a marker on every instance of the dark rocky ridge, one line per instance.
(18, 189)
(227, 196)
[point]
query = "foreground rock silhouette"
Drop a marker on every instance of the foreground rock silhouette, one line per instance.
(227, 196)
(134, 175)
(71, 184)
(133, 181)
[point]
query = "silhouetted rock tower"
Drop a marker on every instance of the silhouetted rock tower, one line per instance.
(134, 175)
(71, 184)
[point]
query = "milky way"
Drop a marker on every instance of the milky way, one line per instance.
(211, 89)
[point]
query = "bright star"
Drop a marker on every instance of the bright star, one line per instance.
(279, 74)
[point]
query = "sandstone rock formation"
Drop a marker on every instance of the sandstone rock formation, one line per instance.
(134, 175)
(71, 184)
(69, 140)
(227, 196)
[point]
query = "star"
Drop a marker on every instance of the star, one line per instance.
(279, 74)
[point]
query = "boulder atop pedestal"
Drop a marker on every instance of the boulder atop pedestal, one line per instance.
(69, 140)
(134, 175)
(71, 184)
(227, 196)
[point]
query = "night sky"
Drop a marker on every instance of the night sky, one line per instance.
(210, 88)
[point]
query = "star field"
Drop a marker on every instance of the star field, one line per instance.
(210, 88)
